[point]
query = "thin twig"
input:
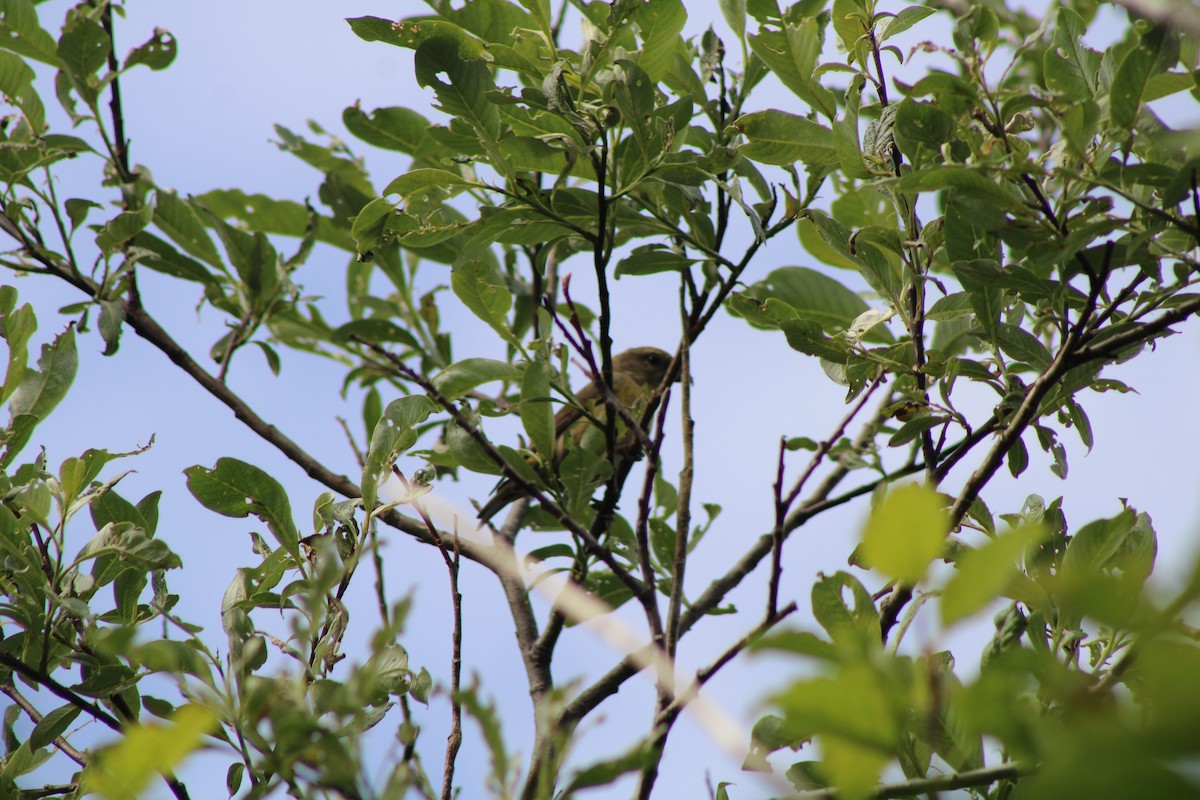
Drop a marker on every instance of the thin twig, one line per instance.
(705, 674)
(120, 143)
(827, 444)
(984, 776)
(641, 538)
(776, 570)
(668, 712)
(454, 739)
(683, 507)
(601, 250)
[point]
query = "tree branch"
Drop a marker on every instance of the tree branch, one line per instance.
(78, 756)
(984, 776)
(44, 679)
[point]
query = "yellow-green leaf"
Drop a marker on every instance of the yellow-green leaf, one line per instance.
(905, 533)
(125, 769)
(985, 572)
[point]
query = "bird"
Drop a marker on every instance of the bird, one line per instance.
(636, 372)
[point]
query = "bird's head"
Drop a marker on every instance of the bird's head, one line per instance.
(645, 365)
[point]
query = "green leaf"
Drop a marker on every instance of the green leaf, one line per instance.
(1094, 546)
(845, 625)
(111, 323)
(82, 50)
(1071, 68)
(849, 22)
(1157, 51)
(633, 94)
(791, 54)
(413, 183)
(853, 767)
(178, 219)
(392, 128)
(806, 336)
(607, 771)
(394, 433)
(734, 12)
(52, 725)
(799, 642)
(919, 124)
(41, 390)
(478, 283)
(494, 21)
(413, 33)
(814, 296)
(650, 259)
(806, 776)
(659, 23)
(23, 35)
(261, 212)
(983, 573)
(608, 588)
(766, 314)
(157, 52)
(234, 488)
(17, 325)
(905, 533)
(179, 658)
(146, 751)
(969, 180)
(1018, 343)
(980, 278)
(907, 17)
(953, 306)
(77, 210)
(16, 84)
(464, 93)
(469, 454)
(371, 224)
(580, 472)
(1017, 458)
(1166, 84)
(462, 376)
(825, 239)
(254, 258)
(122, 228)
(855, 706)
(493, 733)
(763, 10)
(421, 686)
(160, 256)
(777, 137)
(233, 777)
(111, 507)
(539, 10)
(377, 330)
(537, 414)
(846, 133)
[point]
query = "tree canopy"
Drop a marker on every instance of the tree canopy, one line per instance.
(961, 220)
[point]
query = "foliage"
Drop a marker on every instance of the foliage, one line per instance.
(1020, 213)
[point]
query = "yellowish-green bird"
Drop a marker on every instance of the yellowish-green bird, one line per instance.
(636, 372)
